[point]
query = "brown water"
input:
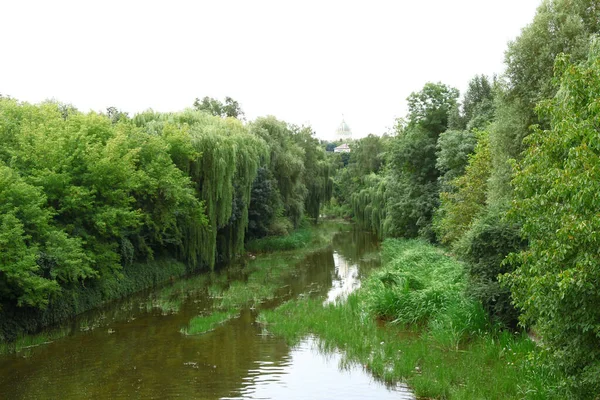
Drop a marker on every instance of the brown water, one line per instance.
(133, 349)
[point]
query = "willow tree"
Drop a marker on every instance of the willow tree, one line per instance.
(286, 162)
(317, 172)
(222, 159)
(369, 204)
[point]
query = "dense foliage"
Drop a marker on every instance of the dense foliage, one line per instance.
(84, 198)
(557, 185)
(489, 176)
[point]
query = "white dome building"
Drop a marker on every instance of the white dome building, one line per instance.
(343, 131)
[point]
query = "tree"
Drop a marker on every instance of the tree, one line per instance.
(116, 115)
(430, 107)
(412, 188)
(559, 26)
(556, 189)
(286, 162)
(230, 108)
(478, 103)
(317, 172)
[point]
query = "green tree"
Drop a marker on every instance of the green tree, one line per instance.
(230, 108)
(556, 187)
(412, 188)
(286, 162)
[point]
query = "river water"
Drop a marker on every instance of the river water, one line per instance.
(134, 348)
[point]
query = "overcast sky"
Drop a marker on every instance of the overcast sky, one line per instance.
(306, 62)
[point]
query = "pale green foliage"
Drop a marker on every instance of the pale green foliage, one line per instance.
(83, 196)
(556, 186)
(20, 214)
(559, 26)
(459, 206)
(478, 106)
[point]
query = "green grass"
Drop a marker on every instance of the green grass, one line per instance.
(443, 348)
(202, 324)
(263, 278)
(29, 341)
(296, 240)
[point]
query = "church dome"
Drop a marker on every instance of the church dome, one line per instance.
(343, 130)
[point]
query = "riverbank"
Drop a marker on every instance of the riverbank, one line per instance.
(411, 322)
(20, 326)
(23, 327)
(149, 345)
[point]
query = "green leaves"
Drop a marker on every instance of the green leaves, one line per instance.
(556, 187)
(81, 192)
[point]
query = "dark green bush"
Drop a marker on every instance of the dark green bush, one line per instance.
(484, 248)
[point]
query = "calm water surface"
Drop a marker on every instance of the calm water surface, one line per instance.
(133, 349)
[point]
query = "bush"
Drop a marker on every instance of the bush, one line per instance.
(484, 248)
(420, 285)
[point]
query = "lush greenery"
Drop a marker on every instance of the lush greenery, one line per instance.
(556, 202)
(504, 178)
(205, 323)
(89, 200)
(440, 341)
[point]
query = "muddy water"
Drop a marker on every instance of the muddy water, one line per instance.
(134, 348)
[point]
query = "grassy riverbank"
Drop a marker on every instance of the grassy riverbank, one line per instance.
(307, 236)
(262, 279)
(412, 322)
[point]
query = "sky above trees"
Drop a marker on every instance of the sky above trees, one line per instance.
(307, 62)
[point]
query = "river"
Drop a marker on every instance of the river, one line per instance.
(135, 348)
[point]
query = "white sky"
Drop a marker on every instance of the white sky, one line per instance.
(302, 61)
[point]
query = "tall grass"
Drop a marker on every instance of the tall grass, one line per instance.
(434, 337)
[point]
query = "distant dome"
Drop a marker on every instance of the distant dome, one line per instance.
(343, 130)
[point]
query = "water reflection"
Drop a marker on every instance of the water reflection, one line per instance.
(307, 373)
(345, 281)
(133, 348)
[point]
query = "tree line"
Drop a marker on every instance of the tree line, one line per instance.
(86, 198)
(506, 178)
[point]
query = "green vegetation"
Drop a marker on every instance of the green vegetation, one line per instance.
(16, 321)
(203, 324)
(263, 279)
(437, 338)
(556, 281)
(505, 179)
(296, 240)
(91, 203)
(28, 341)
